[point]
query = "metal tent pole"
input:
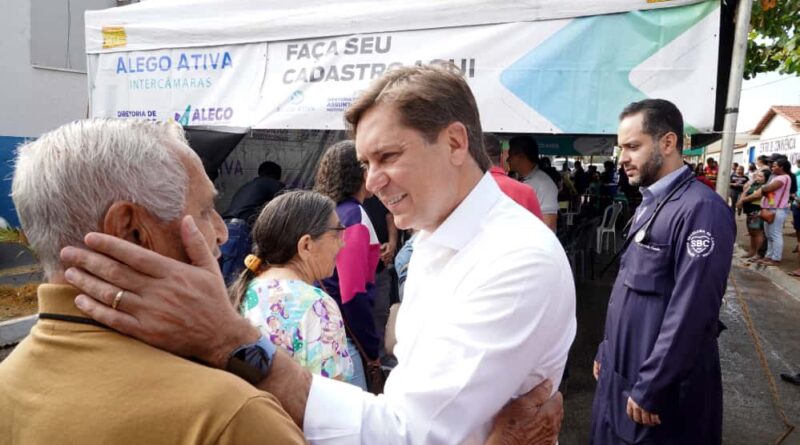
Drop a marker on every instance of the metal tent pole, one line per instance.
(734, 93)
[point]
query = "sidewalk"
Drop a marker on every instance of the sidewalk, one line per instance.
(777, 274)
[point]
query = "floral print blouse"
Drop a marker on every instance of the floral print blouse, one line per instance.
(304, 321)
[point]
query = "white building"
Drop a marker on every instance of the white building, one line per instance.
(777, 132)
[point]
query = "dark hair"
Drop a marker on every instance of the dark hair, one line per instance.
(493, 147)
(340, 174)
(525, 145)
(659, 117)
(763, 159)
(428, 99)
(786, 166)
(278, 228)
(271, 170)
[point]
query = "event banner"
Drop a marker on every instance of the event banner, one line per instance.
(570, 75)
(211, 86)
(554, 76)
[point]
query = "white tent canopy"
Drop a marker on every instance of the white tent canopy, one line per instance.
(546, 66)
(190, 23)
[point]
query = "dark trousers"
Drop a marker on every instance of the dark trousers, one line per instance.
(235, 250)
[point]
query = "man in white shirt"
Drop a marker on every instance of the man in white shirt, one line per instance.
(486, 316)
(523, 158)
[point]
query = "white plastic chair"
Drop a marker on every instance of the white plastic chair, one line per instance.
(608, 228)
(575, 209)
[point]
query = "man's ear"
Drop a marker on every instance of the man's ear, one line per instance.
(130, 222)
(669, 143)
(457, 139)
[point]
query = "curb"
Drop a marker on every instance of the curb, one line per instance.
(778, 277)
(13, 331)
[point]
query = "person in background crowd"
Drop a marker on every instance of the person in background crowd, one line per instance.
(296, 239)
(341, 178)
(795, 207)
(607, 177)
(763, 163)
(580, 178)
(700, 174)
(735, 166)
(751, 206)
(242, 211)
(523, 158)
(751, 171)
(75, 381)
(711, 170)
(775, 197)
(738, 181)
(547, 167)
(402, 261)
(568, 191)
(520, 193)
(385, 277)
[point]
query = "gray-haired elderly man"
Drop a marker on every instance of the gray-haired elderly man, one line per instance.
(74, 380)
(140, 182)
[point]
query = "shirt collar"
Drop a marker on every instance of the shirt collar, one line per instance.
(663, 185)
(58, 299)
(464, 223)
(495, 170)
(531, 173)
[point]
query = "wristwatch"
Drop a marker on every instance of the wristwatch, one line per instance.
(252, 361)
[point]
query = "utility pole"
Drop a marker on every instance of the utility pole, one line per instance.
(734, 93)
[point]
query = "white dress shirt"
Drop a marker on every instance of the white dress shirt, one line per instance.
(546, 190)
(488, 313)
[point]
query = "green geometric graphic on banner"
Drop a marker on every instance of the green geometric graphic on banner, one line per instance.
(579, 77)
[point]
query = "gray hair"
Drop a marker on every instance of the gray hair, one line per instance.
(65, 181)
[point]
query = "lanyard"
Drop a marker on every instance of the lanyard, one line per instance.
(643, 235)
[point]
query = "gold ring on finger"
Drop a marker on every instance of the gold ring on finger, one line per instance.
(117, 299)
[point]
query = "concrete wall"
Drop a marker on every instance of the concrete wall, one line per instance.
(32, 100)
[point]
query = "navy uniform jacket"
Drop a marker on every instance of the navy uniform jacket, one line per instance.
(660, 342)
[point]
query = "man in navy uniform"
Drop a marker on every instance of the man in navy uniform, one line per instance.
(658, 367)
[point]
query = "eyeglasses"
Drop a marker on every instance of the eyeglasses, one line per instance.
(339, 230)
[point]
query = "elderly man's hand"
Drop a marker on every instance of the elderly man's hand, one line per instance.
(533, 419)
(181, 308)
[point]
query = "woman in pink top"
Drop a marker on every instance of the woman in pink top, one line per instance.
(775, 197)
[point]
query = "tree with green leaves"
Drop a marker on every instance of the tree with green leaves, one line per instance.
(774, 40)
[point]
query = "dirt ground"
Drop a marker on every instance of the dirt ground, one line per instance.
(17, 301)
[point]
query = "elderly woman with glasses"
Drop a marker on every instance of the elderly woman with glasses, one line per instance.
(296, 239)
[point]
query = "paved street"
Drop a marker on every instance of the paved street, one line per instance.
(750, 416)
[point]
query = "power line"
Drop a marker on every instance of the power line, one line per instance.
(769, 83)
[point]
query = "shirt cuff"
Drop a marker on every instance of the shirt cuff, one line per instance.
(333, 412)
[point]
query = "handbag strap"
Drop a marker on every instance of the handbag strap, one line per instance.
(352, 337)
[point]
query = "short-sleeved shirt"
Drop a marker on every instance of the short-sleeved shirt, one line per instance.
(520, 193)
(546, 190)
(304, 321)
(777, 199)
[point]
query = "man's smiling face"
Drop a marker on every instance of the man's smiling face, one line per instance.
(413, 177)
